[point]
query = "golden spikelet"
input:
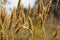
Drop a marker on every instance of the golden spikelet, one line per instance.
(29, 10)
(18, 9)
(49, 5)
(30, 23)
(44, 14)
(23, 20)
(41, 3)
(22, 15)
(25, 27)
(13, 16)
(20, 12)
(16, 25)
(17, 30)
(3, 15)
(19, 3)
(2, 33)
(38, 9)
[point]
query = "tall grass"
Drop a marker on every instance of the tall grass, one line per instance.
(18, 24)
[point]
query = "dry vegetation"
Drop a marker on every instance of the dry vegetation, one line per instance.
(21, 27)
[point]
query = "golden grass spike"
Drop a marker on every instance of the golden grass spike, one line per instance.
(10, 25)
(41, 3)
(1, 26)
(38, 9)
(17, 30)
(16, 25)
(25, 27)
(20, 11)
(22, 8)
(19, 14)
(23, 20)
(29, 10)
(23, 17)
(49, 5)
(45, 10)
(30, 26)
(30, 23)
(3, 15)
(19, 3)
(13, 16)
(2, 33)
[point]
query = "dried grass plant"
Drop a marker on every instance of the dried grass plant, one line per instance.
(11, 26)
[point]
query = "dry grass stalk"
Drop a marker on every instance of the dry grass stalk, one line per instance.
(19, 3)
(45, 10)
(24, 27)
(30, 23)
(30, 27)
(22, 15)
(19, 9)
(13, 16)
(17, 30)
(23, 20)
(20, 12)
(16, 25)
(29, 10)
(2, 33)
(3, 15)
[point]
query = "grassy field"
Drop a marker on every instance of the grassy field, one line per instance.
(36, 24)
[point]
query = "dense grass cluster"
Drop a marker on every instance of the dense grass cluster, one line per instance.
(25, 26)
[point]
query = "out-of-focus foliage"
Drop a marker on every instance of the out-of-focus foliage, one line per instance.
(29, 24)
